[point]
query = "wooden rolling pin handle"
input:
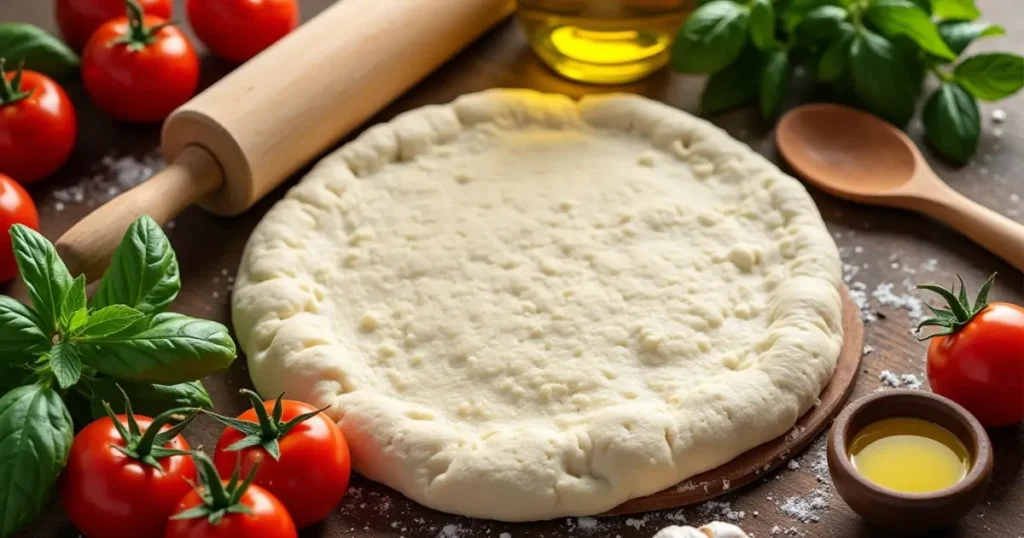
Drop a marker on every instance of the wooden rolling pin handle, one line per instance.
(87, 247)
(1000, 235)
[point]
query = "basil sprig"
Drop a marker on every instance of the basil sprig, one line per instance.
(65, 356)
(41, 51)
(874, 54)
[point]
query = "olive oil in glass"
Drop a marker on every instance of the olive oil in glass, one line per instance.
(603, 41)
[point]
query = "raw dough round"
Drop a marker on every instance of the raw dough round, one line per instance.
(522, 307)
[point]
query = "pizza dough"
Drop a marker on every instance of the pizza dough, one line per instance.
(521, 307)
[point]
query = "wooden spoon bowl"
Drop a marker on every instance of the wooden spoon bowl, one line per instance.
(859, 157)
(900, 513)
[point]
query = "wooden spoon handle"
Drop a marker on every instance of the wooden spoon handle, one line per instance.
(1000, 235)
(89, 244)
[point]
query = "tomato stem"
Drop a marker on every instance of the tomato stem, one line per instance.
(148, 447)
(268, 430)
(139, 36)
(960, 311)
(10, 90)
(219, 499)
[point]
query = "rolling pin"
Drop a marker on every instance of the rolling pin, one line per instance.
(238, 140)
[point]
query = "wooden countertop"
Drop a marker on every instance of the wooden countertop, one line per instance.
(885, 246)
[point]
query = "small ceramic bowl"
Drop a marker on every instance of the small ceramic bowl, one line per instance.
(909, 513)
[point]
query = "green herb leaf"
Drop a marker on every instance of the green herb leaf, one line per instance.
(774, 77)
(925, 5)
(66, 364)
(143, 273)
(35, 439)
(836, 59)
(881, 78)
(40, 50)
(900, 17)
(167, 348)
(109, 320)
(73, 302)
(959, 34)
(820, 24)
(762, 24)
(78, 320)
(734, 86)
(21, 333)
(712, 38)
(992, 76)
(952, 122)
(147, 399)
(960, 10)
(45, 275)
(794, 11)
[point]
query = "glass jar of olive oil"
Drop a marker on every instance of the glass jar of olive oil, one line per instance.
(603, 41)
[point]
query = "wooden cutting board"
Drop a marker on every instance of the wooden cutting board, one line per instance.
(761, 460)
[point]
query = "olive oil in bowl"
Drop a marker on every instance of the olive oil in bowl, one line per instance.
(910, 455)
(603, 41)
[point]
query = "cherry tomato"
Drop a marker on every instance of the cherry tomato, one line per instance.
(310, 492)
(78, 19)
(16, 207)
(37, 126)
(237, 30)
(145, 78)
(268, 519)
(981, 366)
(109, 494)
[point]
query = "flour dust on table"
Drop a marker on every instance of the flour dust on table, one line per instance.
(522, 307)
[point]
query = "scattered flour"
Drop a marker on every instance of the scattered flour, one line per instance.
(636, 523)
(450, 531)
(808, 508)
(889, 378)
(998, 115)
(868, 349)
(111, 177)
(793, 465)
(910, 381)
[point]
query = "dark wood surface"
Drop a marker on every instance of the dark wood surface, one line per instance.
(885, 246)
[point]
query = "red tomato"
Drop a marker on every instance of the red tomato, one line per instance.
(108, 494)
(16, 207)
(268, 519)
(144, 80)
(78, 19)
(237, 30)
(37, 126)
(310, 492)
(981, 366)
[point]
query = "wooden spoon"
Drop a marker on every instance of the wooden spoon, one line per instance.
(857, 156)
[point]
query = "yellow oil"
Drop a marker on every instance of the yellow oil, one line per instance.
(603, 41)
(910, 455)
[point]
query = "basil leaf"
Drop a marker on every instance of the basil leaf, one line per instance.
(74, 301)
(900, 17)
(836, 58)
(109, 320)
(992, 76)
(734, 86)
(774, 78)
(924, 5)
(147, 398)
(881, 78)
(45, 275)
(21, 332)
(952, 122)
(40, 50)
(961, 10)
(143, 273)
(35, 439)
(66, 364)
(821, 24)
(959, 34)
(167, 348)
(793, 12)
(711, 38)
(78, 320)
(762, 24)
